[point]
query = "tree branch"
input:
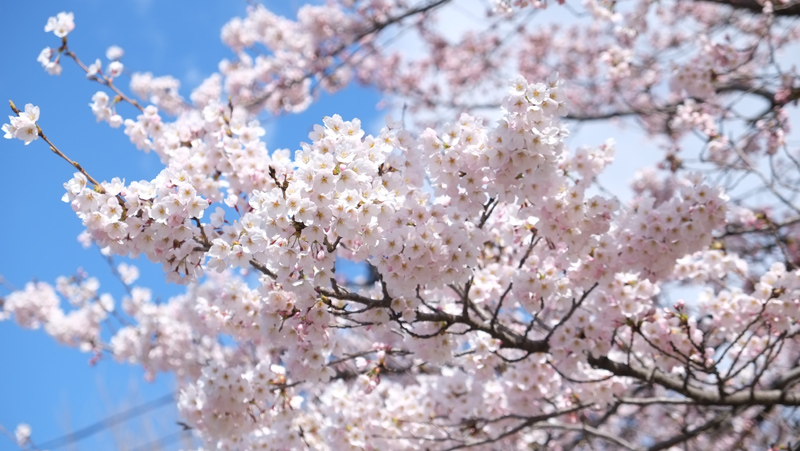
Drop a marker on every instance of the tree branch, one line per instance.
(699, 396)
(754, 6)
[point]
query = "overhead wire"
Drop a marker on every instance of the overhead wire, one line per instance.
(108, 422)
(163, 441)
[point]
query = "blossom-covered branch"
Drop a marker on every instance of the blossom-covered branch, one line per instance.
(511, 303)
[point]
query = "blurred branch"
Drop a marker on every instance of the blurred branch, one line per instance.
(792, 9)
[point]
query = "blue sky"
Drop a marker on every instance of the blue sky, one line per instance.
(53, 388)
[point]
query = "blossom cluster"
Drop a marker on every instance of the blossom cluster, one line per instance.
(61, 25)
(511, 303)
(23, 126)
(39, 305)
(491, 192)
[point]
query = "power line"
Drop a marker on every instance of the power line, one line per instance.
(163, 441)
(113, 420)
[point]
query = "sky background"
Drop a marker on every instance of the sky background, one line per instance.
(54, 388)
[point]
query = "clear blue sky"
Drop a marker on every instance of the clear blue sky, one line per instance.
(53, 388)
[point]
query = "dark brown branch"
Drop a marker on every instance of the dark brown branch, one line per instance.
(699, 396)
(690, 434)
(787, 379)
(593, 432)
(530, 421)
(789, 10)
(264, 270)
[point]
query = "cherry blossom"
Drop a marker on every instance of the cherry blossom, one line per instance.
(512, 301)
(61, 24)
(23, 126)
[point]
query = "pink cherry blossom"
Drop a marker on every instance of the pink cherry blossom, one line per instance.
(512, 301)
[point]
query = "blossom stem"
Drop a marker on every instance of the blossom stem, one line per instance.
(103, 80)
(61, 154)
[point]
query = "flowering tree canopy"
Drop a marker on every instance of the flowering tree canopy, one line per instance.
(513, 302)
